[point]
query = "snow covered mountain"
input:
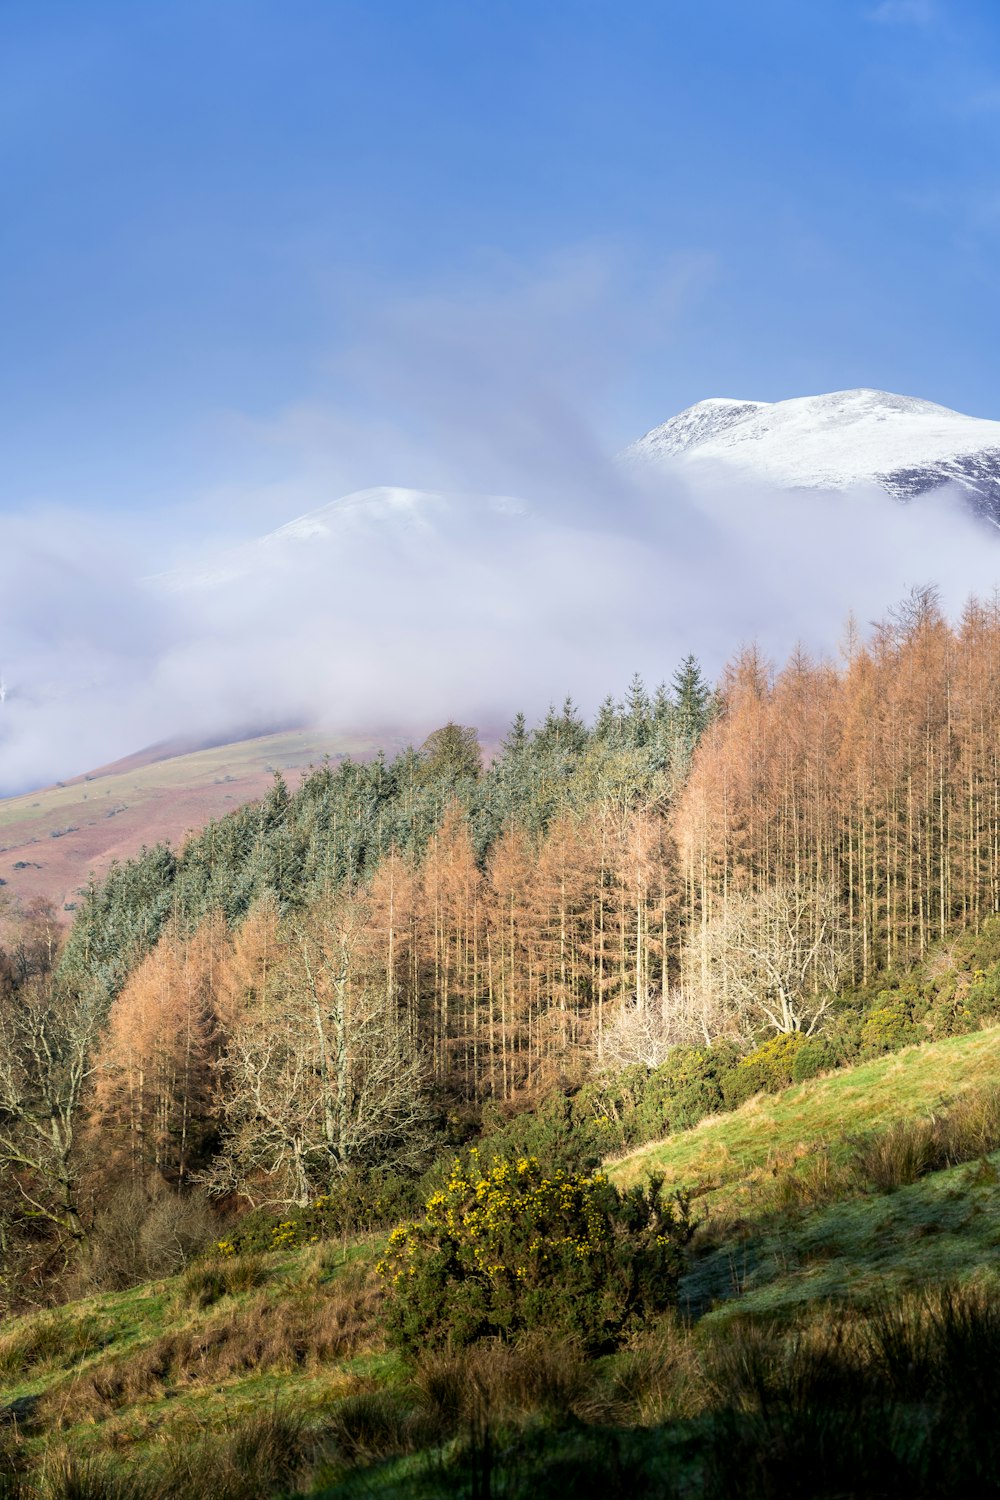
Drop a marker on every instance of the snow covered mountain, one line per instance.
(368, 525)
(840, 441)
(442, 603)
(836, 442)
(833, 442)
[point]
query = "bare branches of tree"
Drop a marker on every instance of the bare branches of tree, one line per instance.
(320, 1074)
(47, 1036)
(773, 958)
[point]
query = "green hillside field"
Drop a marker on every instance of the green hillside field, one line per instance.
(275, 1367)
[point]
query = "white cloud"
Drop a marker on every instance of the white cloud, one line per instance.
(408, 614)
(454, 609)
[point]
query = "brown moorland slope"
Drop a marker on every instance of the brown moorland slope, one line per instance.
(53, 840)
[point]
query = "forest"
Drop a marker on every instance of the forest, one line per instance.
(353, 975)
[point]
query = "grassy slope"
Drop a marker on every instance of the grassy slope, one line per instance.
(725, 1155)
(944, 1228)
(752, 1171)
(147, 1366)
(762, 1258)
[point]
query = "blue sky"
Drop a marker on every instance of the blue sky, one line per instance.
(246, 241)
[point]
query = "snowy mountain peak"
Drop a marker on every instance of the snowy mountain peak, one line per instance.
(697, 424)
(837, 441)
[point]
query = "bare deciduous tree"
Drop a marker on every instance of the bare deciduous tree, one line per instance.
(47, 1037)
(773, 957)
(320, 1075)
(637, 1034)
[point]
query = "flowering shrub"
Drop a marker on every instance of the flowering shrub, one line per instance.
(508, 1248)
(888, 1025)
(766, 1070)
(357, 1201)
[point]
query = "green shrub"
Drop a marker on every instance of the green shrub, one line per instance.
(982, 997)
(888, 1026)
(564, 1132)
(684, 1089)
(510, 1249)
(358, 1201)
(979, 950)
(815, 1056)
(765, 1070)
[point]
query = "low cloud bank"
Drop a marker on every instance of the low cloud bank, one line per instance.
(397, 609)
(403, 609)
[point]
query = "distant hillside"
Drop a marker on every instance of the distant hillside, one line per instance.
(52, 840)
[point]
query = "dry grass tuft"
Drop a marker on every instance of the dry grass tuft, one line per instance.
(260, 1335)
(206, 1283)
(535, 1375)
(373, 1424)
(256, 1457)
(658, 1378)
(56, 1340)
(896, 1156)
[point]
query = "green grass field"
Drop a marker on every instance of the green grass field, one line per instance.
(725, 1156)
(181, 1378)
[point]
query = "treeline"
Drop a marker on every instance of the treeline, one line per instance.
(309, 981)
(877, 779)
(336, 829)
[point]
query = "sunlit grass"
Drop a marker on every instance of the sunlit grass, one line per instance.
(772, 1131)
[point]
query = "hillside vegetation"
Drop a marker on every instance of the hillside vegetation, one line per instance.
(56, 840)
(270, 1373)
(346, 1064)
(790, 1128)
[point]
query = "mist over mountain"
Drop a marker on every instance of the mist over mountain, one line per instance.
(399, 608)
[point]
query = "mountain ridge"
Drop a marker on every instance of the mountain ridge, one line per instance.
(839, 440)
(905, 445)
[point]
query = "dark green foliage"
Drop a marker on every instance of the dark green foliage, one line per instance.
(686, 1088)
(640, 1104)
(888, 1025)
(510, 1249)
(693, 701)
(766, 1070)
(559, 1132)
(815, 1056)
(119, 920)
(574, 1130)
(360, 1200)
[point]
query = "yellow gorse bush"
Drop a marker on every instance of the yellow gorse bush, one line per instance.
(507, 1220)
(509, 1246)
